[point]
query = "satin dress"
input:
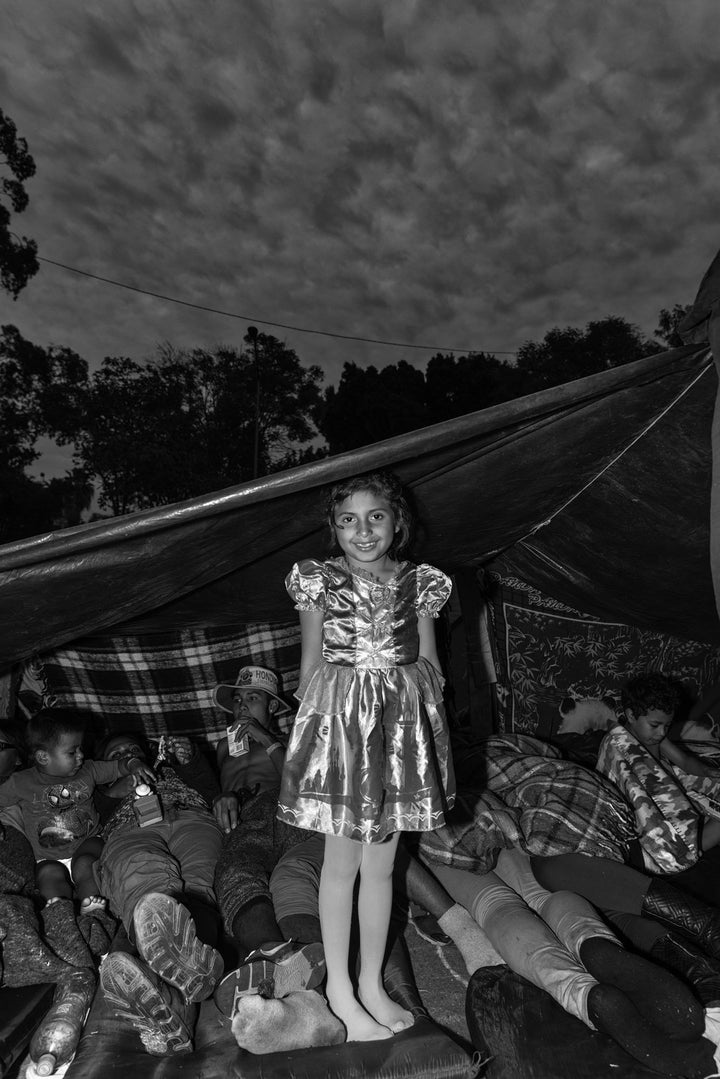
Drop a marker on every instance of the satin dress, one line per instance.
(369, 753)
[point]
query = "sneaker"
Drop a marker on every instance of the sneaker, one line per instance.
(136, 995)
(272, 972)
(166, 939)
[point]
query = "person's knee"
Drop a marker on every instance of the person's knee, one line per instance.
(82, 867)
(342, 862)
(53, 879)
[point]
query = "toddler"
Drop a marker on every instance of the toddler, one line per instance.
(54, 800)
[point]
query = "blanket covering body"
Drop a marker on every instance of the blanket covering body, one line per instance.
(667, 802)
(525, 795)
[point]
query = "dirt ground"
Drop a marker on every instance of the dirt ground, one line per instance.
(441, 979)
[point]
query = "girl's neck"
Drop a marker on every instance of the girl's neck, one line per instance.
(382, 572)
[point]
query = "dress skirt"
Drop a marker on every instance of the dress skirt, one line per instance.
(369, 753)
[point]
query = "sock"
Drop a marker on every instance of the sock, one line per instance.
(470, 940)
(61, 931)
(660, 998)
(612, 1012)
(27, 958)
(97, 931)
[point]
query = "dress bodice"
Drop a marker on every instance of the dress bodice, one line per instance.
(367, 623)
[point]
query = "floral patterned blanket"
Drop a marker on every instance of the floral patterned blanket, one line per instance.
(667, 802)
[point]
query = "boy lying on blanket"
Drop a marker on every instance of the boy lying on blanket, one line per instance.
(675, 795)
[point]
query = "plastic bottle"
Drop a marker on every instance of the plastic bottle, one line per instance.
(55, 1040)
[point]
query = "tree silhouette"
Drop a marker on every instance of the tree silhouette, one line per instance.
(18, 262)
(184, 424)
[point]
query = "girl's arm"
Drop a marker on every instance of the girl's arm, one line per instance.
(428, 647)
(311, 626)
(689, 762)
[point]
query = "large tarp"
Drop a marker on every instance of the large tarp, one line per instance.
(597, 491)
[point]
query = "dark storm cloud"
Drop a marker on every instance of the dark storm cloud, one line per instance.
(101, 42)
(401, 169)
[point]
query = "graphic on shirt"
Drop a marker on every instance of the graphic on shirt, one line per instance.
(64, 813)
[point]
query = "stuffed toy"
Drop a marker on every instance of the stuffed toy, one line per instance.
(586, 714)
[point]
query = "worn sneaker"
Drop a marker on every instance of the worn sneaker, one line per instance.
(166, 939)
(137, 995)
(272, 971)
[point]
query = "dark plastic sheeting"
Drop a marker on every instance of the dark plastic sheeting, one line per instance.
(596, 491)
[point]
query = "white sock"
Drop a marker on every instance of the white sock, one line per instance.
(471, 941)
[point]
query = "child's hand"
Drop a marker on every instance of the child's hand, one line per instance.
(226, 808)
(254, 730)
(136, 767)
(120, 788)
(179, 748)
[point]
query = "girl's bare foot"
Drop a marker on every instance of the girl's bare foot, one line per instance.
(385, 1010)
(360, 1026)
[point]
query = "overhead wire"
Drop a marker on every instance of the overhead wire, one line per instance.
(267, 322)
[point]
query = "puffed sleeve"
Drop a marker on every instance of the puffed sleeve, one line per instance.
(433, 591)
(306, 584)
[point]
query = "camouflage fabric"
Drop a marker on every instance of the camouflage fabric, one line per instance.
(668, 803)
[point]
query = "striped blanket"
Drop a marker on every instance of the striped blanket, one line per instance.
(163, 682)
(523, 794)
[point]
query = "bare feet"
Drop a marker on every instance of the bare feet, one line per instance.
(93, 903)
(384, 1009)
(360, 1026)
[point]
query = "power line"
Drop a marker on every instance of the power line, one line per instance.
(265, 322)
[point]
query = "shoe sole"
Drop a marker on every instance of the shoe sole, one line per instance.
(166, 939)
(302, 969)
(134, 998)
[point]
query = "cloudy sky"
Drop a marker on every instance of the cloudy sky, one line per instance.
(458, 174)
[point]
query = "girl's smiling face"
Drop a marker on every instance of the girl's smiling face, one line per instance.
(365, 528)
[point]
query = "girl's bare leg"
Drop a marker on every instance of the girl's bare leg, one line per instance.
(337, 881)
(374, 907)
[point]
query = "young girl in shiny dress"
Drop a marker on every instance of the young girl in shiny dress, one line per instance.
(369, 753)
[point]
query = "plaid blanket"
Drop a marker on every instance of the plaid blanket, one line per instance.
(163, 682)
(526, 796)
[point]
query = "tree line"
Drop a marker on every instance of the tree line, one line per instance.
(186, 422)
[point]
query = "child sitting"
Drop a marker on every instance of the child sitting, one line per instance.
(252, 754)
(675, 794)
(54, 800)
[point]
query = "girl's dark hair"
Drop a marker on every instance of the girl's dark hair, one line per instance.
(45, 729)
(652, 690)
(384, 485)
